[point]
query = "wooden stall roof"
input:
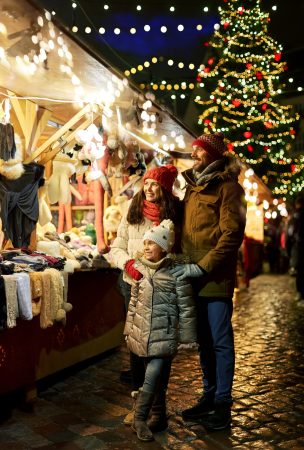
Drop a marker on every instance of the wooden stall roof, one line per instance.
(18, 22)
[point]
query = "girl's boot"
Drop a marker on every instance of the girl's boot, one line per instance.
(158, 420)
(143, 405)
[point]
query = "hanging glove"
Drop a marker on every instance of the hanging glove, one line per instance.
(188, 270)
(130, 269)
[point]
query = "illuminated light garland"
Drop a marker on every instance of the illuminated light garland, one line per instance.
(154, 60)
(133, 30)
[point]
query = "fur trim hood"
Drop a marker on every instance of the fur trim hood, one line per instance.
(225, 169)
(11, 169)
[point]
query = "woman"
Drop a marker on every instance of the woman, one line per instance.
(152, 204)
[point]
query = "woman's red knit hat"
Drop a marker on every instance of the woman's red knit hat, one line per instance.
(164, 175)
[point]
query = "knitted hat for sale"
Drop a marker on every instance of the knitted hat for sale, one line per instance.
(163, 235)
(212, 143)
(164, 175)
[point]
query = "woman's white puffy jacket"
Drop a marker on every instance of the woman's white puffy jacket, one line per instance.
(161, 312)
(128, 243)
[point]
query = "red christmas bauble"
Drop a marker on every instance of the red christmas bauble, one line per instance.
(247, 134)
(226, 25)
(293, 168)
(230, 147)
(266, 148)
(277, 56)
(259, 75)
(292, 131)
(207, 121)
(267, 95)
(198, 78)
(268, 124)
(236, 103)
(250, 148)
(264, 106)
(210, 61)
(206, 44)
(207, 69)
(248, 66)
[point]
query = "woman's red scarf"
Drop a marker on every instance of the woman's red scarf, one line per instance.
(151, 211)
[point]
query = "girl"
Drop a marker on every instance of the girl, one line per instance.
(161, 314)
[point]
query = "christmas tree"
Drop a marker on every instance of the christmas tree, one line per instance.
(242, 78)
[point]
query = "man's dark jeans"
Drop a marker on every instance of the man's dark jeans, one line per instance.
(216, 347)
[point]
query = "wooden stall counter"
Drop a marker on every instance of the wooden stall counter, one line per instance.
(95, 325)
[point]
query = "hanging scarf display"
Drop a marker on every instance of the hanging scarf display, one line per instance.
(7, 141)
(151, 211)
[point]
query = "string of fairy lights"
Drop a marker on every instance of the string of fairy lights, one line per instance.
(163, 29)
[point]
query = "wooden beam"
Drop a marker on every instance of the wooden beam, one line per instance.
(31, 110)
(32, 119)
(58, 134)
(52, 152)
(42, 117)
(18, 111)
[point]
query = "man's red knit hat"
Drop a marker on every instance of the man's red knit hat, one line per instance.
(212, 143)
(164, 175)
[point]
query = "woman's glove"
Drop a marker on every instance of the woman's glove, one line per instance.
(130, 269)
(188, 270)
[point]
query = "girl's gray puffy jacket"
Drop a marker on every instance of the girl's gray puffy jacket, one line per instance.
(161, 312)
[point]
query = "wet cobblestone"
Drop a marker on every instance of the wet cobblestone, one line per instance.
(85, 409)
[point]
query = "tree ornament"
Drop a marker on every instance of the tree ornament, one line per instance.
(250, 148)
(210, 61)
(230, 147)
(248, 66)
(277, 56)
(264, 106)
(226, 25)
(259, 75)
(292, 132)
(236, 103)
(247, 134)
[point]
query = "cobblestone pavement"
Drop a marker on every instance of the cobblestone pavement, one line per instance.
(85, 408)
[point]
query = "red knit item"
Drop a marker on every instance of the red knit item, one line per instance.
(212, 143)
(164, 175)
(151, 211)
(130, 269)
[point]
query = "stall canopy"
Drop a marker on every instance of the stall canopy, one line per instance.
(67, 88)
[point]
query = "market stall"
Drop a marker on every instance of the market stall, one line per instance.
(76, 137)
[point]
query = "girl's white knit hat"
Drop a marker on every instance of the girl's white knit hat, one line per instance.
(163, 234)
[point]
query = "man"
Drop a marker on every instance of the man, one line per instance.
(213, 230)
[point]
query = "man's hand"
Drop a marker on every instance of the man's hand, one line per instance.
(188, 270)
